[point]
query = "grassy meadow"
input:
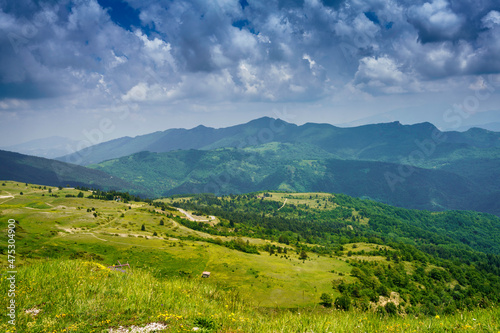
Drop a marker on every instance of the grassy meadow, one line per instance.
(64, 244)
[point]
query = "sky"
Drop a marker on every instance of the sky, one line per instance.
(97, 70)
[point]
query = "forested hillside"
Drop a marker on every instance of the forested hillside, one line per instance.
(305, 167)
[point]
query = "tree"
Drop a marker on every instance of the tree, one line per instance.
(284, 240)
(343, 303)
(162, 222)
(303, 255)
(21, 193)
(143, 228)
(80, 195)
(326, 300)
(50, 190)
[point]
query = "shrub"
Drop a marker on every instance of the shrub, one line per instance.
(391, 308)
(343, 303)
(326, 300)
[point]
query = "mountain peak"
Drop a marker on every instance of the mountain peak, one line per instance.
(200, 127)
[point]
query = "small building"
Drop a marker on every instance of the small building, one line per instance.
(205, 274)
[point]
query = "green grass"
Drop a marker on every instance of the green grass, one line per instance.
(62, 249)
(62, 228)
(82, 296)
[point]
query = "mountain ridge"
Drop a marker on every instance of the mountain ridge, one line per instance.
(39, 170)
(300, 167)
(334, 139)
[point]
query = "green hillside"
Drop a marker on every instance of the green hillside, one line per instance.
(277, 260)
(305, 167)
(389, 142)
(31, 169)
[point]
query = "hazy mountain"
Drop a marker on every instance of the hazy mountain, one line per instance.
(388, 142)
(299, 167)
(51, 147)
(444, 116)
(494, 126)
(38, 170)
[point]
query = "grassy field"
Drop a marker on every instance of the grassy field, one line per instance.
(81, 296)
(64, 243)
(61, 227)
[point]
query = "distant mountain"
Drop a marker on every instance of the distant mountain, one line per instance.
(387, 142)
(299, 167)
(443, 116)
(493, 126)
(51, 147)
(30, 169)
(412, 166)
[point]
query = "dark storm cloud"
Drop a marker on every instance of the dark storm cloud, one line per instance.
(280, 50)
(442, 20)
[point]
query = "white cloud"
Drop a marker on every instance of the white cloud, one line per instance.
(158, 50)
(492, 19)
(382, 74)
(436, 20)
(137, 93)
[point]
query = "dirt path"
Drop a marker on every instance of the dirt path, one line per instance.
(9, 197)
(12, 196)
(190, 217)
(284, 203)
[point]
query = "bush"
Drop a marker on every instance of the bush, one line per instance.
(326, 300)
(391, 308)
(343, 303)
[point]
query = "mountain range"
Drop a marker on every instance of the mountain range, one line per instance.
(388, 142)
(412, 166)
(50, 147)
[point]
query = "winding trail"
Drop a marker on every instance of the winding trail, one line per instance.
(284, 203)
(8, 197)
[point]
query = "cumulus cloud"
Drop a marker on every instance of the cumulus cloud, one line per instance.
(227, 50)
(491, 20)
(435, 21)
(383, 74)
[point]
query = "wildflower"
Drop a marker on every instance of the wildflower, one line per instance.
(437, 316)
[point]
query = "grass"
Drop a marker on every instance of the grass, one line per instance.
(82, 296)
(63, 228)
(62, 250)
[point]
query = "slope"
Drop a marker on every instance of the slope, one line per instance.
(299, 167)
(30, 169)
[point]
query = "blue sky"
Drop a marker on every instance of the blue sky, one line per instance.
(110, 68)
